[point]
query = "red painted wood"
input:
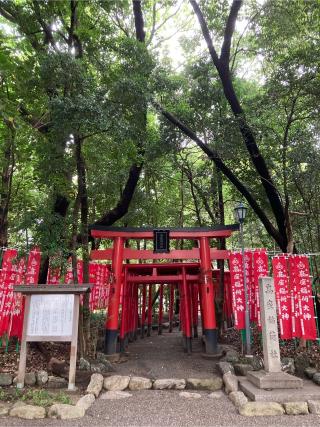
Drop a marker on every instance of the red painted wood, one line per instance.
(171, 304)
(195, 304)
(207, 286)
(160, 313)
(160, 279)
(143, 311)
(183, 234)
(150, 308)
(114, 300)
(187, 305)
(124, 309)
(106, 254)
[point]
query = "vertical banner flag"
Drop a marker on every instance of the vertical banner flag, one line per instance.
(248, 256)
(16, 321)
(303, 306)
(283, 296)
(6, 291)
(33, 267)
(69, 274)
(80, 272)
(53, 277)
(237, 289)
(93, 270)
(260, 269)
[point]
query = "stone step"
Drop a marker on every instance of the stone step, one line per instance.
(272, 380)
(309, 391)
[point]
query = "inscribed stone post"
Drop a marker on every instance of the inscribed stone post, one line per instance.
(271, 349)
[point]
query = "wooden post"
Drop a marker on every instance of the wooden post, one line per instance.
(23, 348)
(74, 344)
(33, 330)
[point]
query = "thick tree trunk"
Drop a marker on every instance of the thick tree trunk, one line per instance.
(222, 246)
(85, 337)
(222, 66)
(6, 181)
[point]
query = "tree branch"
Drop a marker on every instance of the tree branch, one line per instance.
(138, 20)
(214, 156)
(34, 121)
(228, 33)
(123, 204)
(247, 134)
(46, 28)
(206, 33)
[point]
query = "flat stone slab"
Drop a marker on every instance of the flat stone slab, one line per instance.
(274, 380)
(115, 395)
(310, 391)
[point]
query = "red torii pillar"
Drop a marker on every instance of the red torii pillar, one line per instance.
(149, 311)
(187, 312)
(171, 302)
(194, 295)
(160, 312)
(143, 311)
(110, 344)
(207, 296)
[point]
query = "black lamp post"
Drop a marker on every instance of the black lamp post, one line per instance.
(240, 213)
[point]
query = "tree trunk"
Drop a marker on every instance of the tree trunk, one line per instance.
(85, 337)
(6, 181)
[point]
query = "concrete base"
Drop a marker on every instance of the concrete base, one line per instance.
(309, 391)
(274, 380)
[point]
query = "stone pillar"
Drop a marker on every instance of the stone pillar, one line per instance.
(271, 377)
(268, 310)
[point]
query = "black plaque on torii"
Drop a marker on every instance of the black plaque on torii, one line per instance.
(161, 241)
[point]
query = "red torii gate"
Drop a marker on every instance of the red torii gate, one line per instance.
(175, 274)
(204, 253)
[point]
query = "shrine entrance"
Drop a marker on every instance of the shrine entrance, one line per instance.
(189, 271)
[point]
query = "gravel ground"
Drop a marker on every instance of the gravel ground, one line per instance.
(166, 408)
(163, 357)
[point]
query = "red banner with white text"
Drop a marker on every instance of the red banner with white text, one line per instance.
(300, 284)
(283, 296)
(7, 278)
(237, 289)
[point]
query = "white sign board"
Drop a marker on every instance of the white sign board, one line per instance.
(51, 315)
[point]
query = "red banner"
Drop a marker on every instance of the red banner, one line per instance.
(16, 321)
(250, 285)
(300, 284)
(237, 288)
(53, 277)
(6, 291)
(33, 267)
(260, 269)
(80, 271)
(69, 274)
(283, 296)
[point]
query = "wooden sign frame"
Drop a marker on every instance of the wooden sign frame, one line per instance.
(30, 290)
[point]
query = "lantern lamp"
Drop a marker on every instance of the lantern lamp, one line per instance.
(240, 212)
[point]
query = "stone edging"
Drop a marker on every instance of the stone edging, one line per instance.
(116, 384)
(247, 408)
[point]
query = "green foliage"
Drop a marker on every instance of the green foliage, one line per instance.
(38, 397)
(51, 91)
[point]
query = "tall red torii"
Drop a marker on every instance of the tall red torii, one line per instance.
(203, 253)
